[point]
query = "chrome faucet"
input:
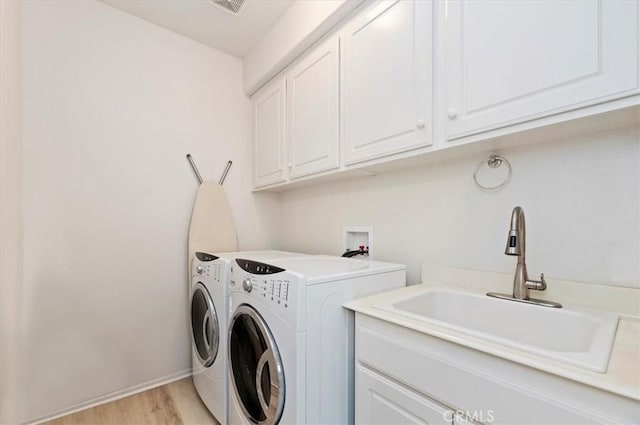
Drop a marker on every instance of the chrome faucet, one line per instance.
(516, 245)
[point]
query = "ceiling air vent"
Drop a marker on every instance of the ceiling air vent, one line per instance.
(233, 6)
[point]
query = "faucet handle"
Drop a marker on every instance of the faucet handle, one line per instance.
(537, 285)
(543, 283)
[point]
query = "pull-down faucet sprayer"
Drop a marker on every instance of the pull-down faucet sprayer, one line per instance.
(516, 245)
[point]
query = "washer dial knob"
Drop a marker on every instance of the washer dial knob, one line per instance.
(247, 285)
(200, 269)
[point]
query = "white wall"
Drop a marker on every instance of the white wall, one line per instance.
(111, 106)
(10, 206)
(581, 199)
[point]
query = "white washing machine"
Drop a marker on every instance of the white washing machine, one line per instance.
(290, 345)
(209, 315)
(209, 322)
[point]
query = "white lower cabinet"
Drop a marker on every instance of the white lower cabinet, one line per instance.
(404, 376)
(382, 401)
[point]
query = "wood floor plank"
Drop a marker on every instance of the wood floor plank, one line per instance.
(191, 408)
(176, 403)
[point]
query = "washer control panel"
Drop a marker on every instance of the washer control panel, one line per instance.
(255, 267)
(247, 285)
(277, 291)
(269, 283)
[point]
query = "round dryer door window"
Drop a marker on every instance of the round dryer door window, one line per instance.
(204, 325)
(256, 368)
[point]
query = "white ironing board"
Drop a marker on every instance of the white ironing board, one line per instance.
(212, 229)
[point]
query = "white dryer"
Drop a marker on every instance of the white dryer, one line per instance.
(290, 345)
(209, 314)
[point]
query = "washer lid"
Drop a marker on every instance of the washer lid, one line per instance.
(320, 268)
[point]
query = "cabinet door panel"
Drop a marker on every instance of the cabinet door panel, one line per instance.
(387, 80)
(483, 393)
(313, 114)
(381, 401)
(269, 125)
(510, 62)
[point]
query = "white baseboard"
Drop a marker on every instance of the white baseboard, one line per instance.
(116, 395)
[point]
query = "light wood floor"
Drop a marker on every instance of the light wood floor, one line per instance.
(176, 403)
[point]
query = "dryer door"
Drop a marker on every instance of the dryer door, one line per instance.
(205, 328)
(256, 368)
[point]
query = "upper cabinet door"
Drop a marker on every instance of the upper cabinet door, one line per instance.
(514, 61)
(269, 133)
(386, 90)
(314, 111)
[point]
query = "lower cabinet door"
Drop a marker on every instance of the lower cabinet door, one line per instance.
(379, 400)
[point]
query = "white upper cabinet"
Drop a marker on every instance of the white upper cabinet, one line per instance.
(313, 111)
(269, 133)
(366, 92)
(509, 62)
(386, 84)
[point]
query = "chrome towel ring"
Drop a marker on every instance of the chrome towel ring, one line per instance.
(494, 162)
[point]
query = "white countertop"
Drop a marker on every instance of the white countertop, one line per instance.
(622, 376)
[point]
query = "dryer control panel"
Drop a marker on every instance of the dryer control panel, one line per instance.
(209, 271)
(201, 264)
